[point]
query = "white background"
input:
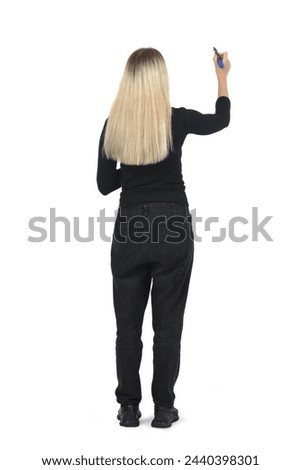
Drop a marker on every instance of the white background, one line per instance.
(239, 386)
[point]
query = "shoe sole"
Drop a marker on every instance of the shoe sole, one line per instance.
(129, 425)
(133, 424)
(154, 425)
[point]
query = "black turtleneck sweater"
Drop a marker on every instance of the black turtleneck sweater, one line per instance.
(161, 181)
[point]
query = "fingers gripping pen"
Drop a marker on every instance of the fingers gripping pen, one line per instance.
(219, 59)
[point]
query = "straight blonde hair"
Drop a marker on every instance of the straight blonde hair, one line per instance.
(139, 130)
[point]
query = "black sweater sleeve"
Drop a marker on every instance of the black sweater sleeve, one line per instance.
(108, 176)
(195, 122)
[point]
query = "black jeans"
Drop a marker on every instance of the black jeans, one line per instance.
(153, 241)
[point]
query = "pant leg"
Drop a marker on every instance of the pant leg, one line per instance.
(171, 270)
(131, 286)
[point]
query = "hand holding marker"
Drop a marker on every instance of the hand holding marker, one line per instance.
(222, 66)
(221, 63)
(219, 59)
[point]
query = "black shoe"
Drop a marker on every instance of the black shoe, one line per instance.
(129, 415)
(164, 417)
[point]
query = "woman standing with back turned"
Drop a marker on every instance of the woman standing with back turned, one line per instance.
(153, 239)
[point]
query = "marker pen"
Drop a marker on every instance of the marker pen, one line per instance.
(219, 59)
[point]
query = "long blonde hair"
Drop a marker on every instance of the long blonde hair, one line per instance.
(138, 130)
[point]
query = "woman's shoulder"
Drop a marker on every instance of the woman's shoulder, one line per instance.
(179, 113)
(182, 112)
(178, 110)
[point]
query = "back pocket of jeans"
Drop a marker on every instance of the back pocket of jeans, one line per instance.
(174, 237)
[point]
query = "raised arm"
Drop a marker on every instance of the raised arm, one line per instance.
(108, 177)
(198, 123)
(195, 122)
